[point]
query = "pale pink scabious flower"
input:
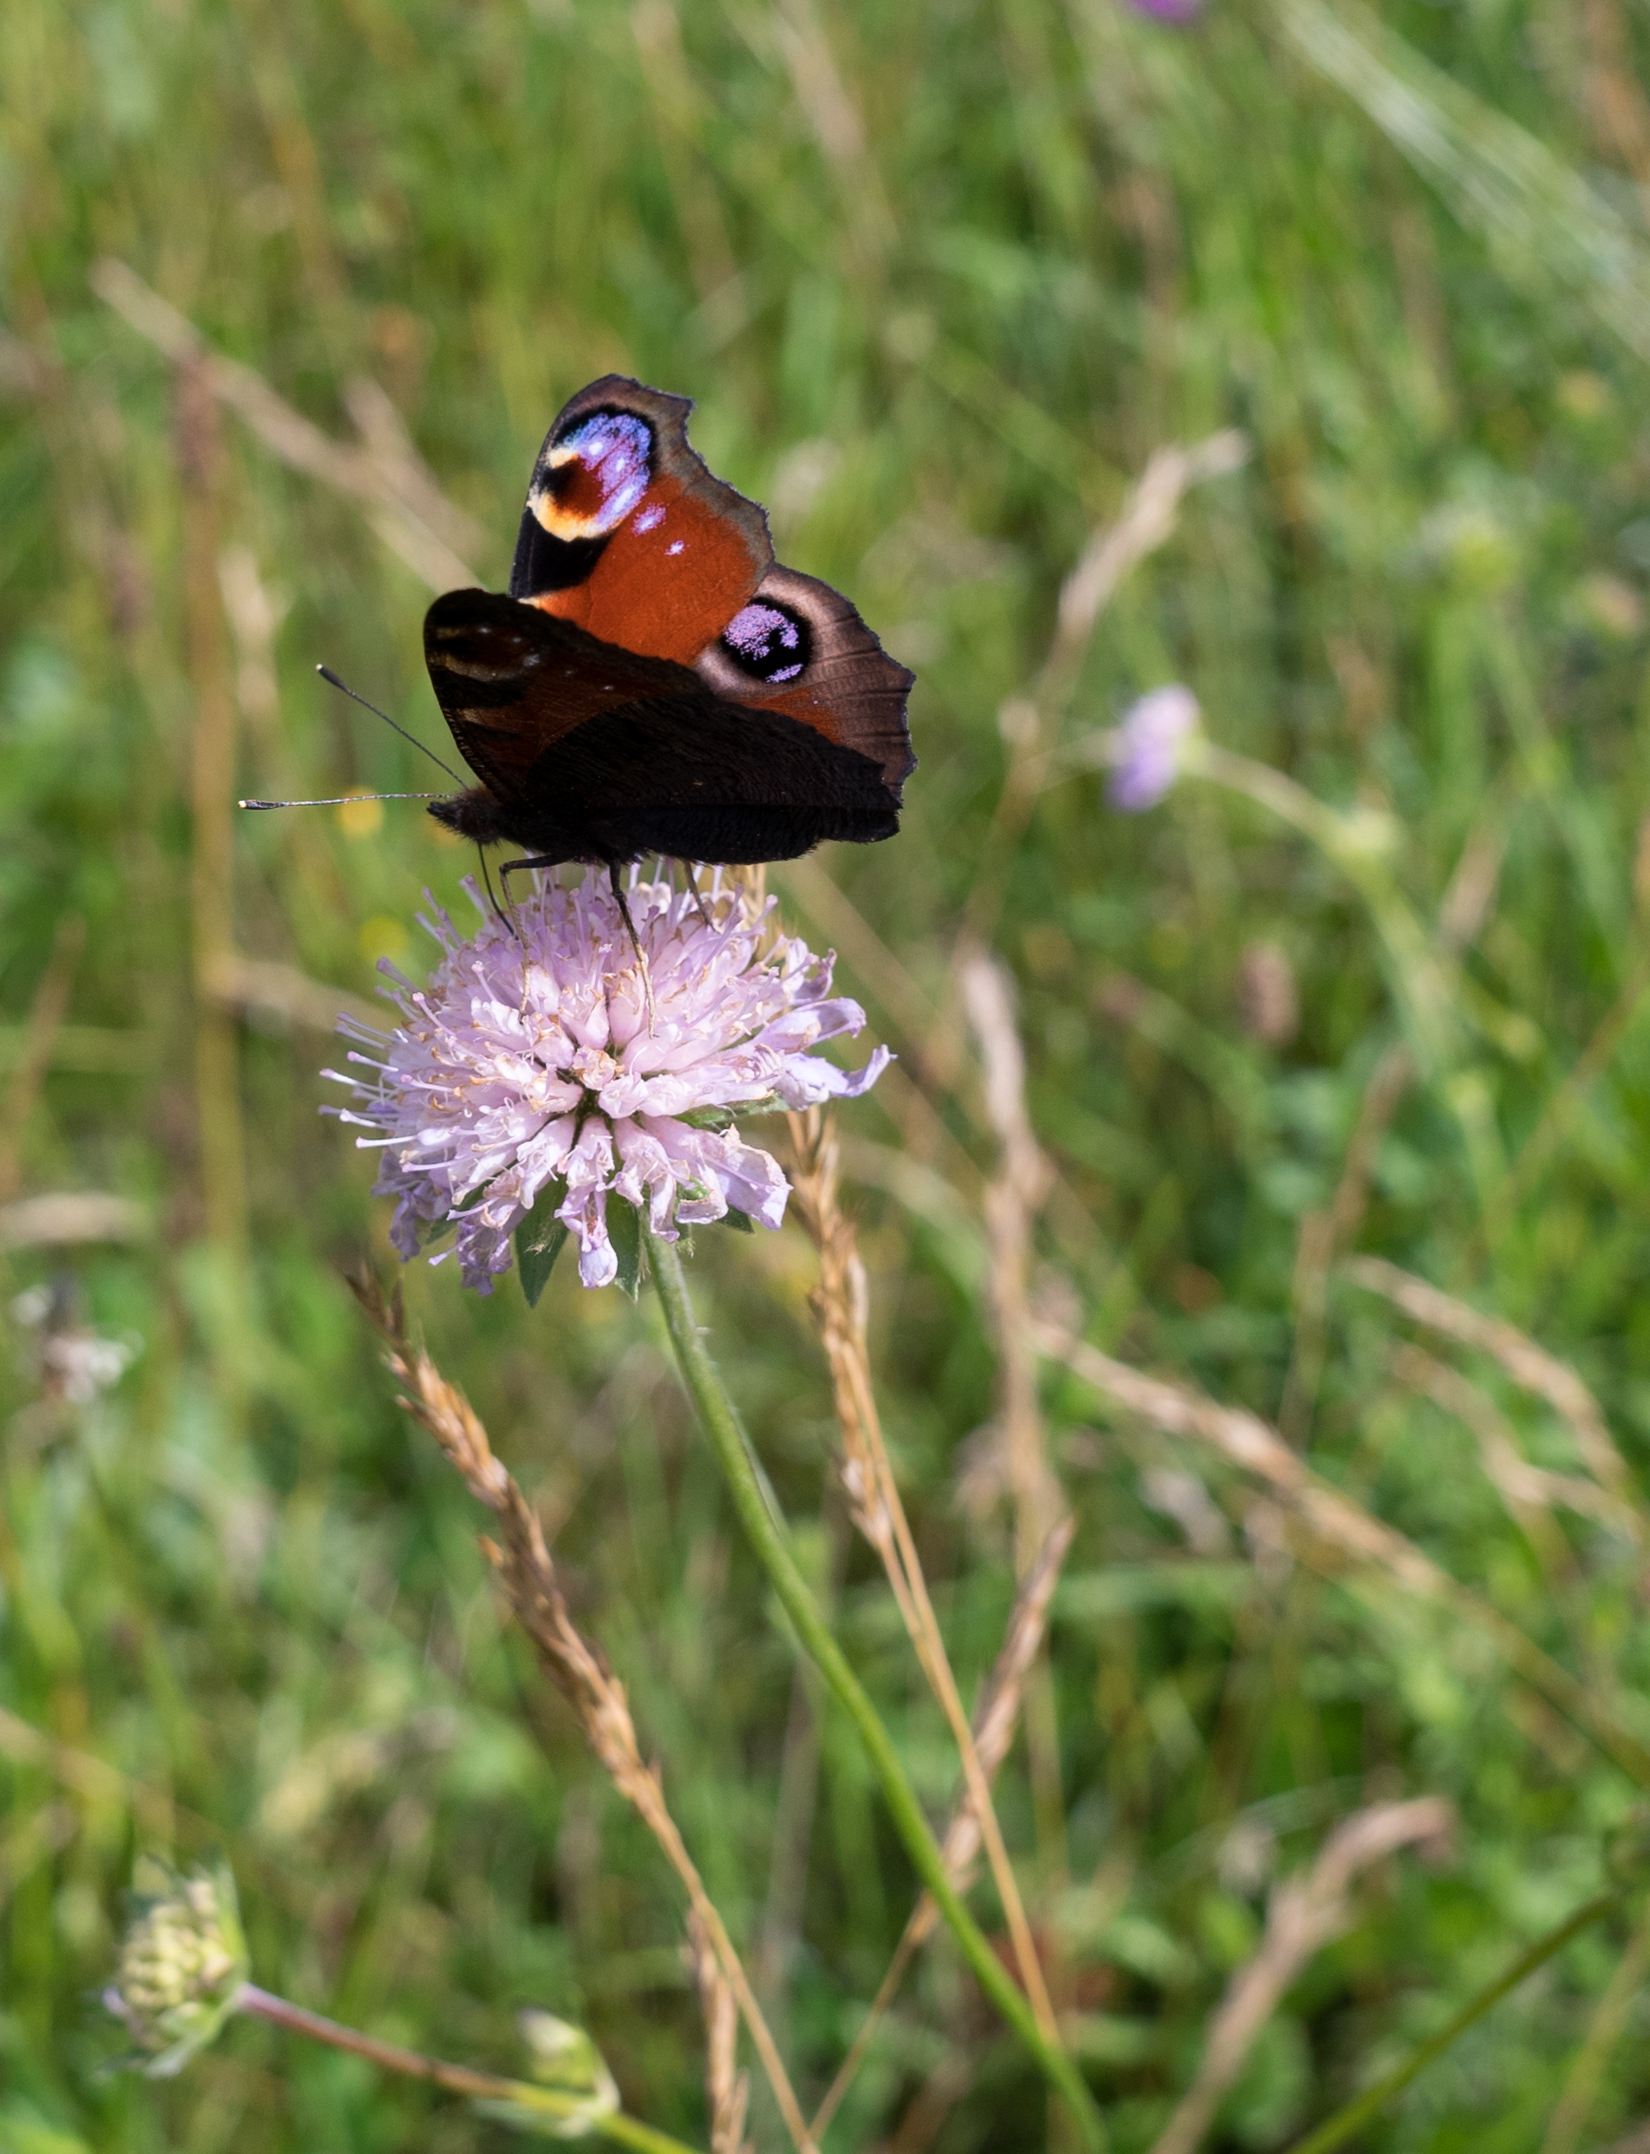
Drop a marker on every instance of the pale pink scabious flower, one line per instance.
(1148, 747)
(532, 1062)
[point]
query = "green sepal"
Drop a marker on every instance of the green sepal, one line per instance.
(739, 1110)
(572, 2089)
(741, 1222)
(539, 1241)
(624, 1231)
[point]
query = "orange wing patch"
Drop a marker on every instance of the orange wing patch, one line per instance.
(667, 581)
(626, 532)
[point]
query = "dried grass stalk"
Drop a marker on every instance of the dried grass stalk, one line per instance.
(1012, 1200)
(572, 1663)
(1030, 723)
(1531, 1493)
(841, 1306)
(1147, 521)
(995, 1716)
(45, 1021)
(400, 498)
(1329, 1529)
(727, 2089)
(827, 105)
(1530, 1366)
(1304, 1915)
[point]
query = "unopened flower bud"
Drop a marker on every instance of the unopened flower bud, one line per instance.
(572, 2088)
(181, 1967)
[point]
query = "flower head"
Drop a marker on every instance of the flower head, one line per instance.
(182, 1963)
(1147, 750)
(539, 1064)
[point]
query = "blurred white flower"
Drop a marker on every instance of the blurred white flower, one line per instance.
(533, 1063)
(1146, 751)
(73, 1363)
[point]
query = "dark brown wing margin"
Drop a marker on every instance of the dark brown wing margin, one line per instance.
(850, 690)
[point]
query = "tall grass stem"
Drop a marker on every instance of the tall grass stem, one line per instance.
(721, 1424)
(1336, 2130)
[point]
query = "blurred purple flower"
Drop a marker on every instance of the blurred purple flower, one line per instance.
(532, 1062)
(1146, 749)
(1168, 10)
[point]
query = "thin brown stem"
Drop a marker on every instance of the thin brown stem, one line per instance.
(840, 1308)
(292, 438)
(388, 2056)
(1013, 1198)
(1305, 1914)
(995, 1717)
(727, 2089)
(454, 2078)
(1030, 723)
(1530, 1366)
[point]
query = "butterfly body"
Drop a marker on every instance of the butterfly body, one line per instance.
(654, 682)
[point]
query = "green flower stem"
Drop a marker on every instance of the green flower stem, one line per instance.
(1360, 843)
(1336, 2130)
(455, 2078)
(720, 1423)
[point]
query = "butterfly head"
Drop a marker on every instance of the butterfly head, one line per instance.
(474, 813)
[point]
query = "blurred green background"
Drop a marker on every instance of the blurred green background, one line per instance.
(943, 278)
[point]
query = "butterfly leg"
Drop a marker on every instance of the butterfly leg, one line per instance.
(623, 904)
(693, 886)
(499, 914)
(519, 867)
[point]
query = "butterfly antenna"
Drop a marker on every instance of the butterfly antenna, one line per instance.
(344, 688)
(623, 904)
(340, 800)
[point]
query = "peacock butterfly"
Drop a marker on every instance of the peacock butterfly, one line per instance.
(654, 681)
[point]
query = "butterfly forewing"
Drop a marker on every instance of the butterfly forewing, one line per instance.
(627, 534)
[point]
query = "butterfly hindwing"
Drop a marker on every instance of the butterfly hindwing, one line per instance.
(588, 751)
(799, 647)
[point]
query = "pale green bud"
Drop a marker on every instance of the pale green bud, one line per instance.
(182, 1963)
(572, 2088)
